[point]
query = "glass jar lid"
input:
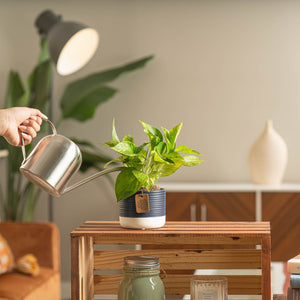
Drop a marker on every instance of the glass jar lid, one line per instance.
(141, 262)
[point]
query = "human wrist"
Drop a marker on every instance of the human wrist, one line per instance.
(3, 122)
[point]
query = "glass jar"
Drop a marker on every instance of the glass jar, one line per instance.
(209, 287)
(141, 279)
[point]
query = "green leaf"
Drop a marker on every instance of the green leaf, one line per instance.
(136, 162)
(83, 108)
(161, 148)
(147, 181)
(191, 160)
(152, 131)
(125, 148)
(44, 53)
(110, 144)
(82, 90)
(167, 138)
(141, 177)
(169, 169)
(162, 159)
(173, 134)
(117, 160)
(126, 184)
(140, 149)
(114, 133)
(113, 74)
(160, 152)
(185, 149)
(128, 138)
(40, 85)
(3, 143)
(14, 90)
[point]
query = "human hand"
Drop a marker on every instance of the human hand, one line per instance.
(16, 120)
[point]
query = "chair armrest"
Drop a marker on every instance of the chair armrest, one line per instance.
(38, 238)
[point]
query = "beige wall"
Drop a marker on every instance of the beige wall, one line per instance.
(221, 67)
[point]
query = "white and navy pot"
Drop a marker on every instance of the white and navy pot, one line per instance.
(155, 218)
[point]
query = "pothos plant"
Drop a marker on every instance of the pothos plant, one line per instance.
(79, 101)
(143, 165)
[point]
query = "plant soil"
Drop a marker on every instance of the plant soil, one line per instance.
(154, 188)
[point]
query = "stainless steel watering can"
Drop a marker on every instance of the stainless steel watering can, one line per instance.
(52, 163)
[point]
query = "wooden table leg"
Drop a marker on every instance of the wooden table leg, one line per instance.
(266, 268)
(82, 280)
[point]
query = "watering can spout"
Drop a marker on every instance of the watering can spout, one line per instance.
(90, 178)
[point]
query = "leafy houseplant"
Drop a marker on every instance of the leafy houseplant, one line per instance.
(146, 163)
(79, 102)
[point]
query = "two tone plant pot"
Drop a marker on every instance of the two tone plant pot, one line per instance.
(155, 217)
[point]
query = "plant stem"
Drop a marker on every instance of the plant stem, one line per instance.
(149, 163)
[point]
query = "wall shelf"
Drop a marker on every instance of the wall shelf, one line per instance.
(278, 204)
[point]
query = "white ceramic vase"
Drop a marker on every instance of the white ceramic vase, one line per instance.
(268, 157)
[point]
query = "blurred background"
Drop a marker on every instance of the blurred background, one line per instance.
(223, 68)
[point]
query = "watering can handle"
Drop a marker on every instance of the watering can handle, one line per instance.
(23, 143)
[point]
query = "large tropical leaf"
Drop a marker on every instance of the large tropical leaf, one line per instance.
(3, 143)
(40, 85)
(86, 107)
(79, 92)
(44, 53)
(14, 91)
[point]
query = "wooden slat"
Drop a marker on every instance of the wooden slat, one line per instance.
(82, 268)
(180, 284)
(184, 259)
(199, 247)
(179, 240)
(235, 233)
(255, 226)
(266, 267)
(179, 228)
(182, 223)
(75, 284)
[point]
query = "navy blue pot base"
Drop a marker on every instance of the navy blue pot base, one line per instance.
(155, 218)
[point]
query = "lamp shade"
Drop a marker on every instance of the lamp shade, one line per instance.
(71, 44)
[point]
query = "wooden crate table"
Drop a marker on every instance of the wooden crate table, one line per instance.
(182, 248)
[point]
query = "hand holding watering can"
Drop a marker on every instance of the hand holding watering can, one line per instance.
(52, 163)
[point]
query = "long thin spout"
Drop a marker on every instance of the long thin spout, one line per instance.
(92, 177)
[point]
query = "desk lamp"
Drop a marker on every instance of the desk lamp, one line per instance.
(71, 45)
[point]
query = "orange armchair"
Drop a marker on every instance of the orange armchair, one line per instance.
(42, 240)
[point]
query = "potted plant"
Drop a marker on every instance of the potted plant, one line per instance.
(142, 203)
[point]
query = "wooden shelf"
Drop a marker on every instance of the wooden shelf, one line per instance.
(227, 187)
(181, 246)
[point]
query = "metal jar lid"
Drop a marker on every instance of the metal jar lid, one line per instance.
(141, 262)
